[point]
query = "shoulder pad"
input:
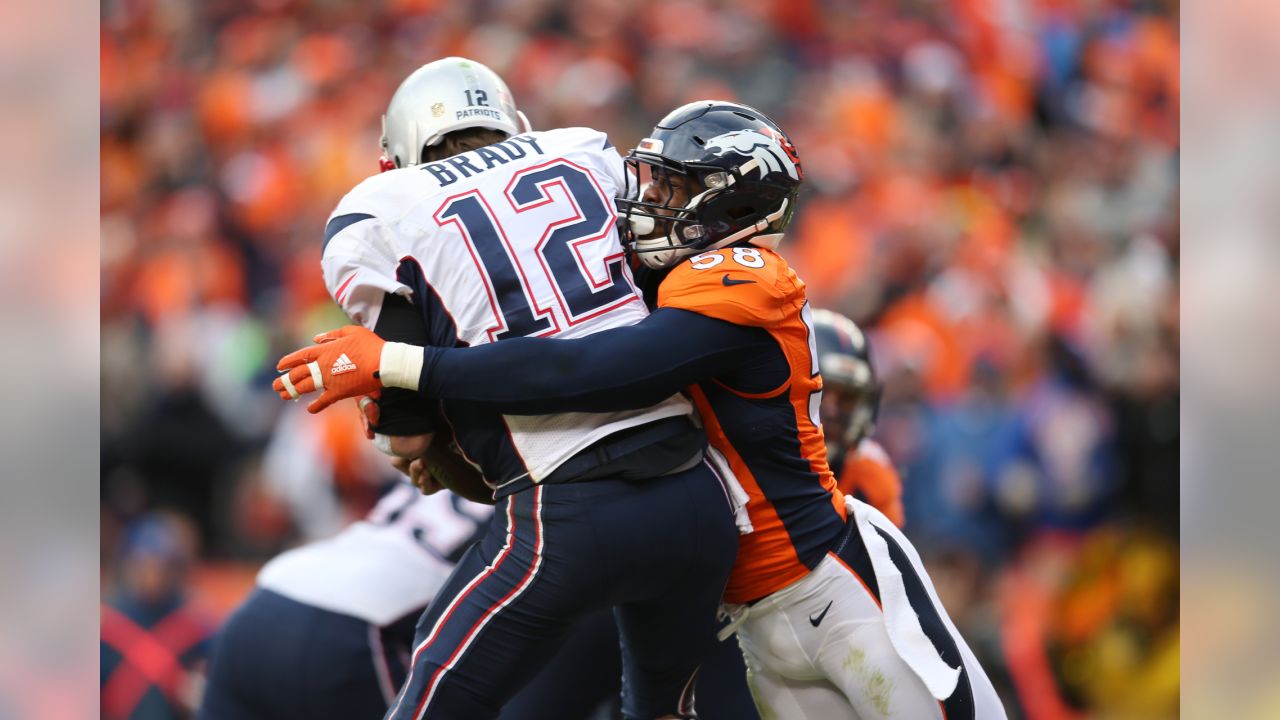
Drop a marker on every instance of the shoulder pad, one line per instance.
(585, 138)
(359, 264)
(589, 149)
(386, 195)
(742, 285)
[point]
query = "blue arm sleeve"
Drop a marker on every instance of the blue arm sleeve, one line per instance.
(618, 369)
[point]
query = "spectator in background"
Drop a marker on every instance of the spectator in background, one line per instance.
(154, 642)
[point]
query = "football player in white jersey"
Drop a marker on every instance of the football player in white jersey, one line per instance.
(326, 630)
(482, 230)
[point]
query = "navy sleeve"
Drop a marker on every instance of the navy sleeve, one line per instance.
(403, 412)
(618, 369)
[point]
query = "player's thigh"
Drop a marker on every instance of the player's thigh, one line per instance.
(584, 674)
(722, 690)
(861, 661)
(779, 697)
(500, 616)
(674, 546)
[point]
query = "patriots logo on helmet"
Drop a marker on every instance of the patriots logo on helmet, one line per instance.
(769, 149)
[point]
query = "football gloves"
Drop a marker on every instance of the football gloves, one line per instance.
(347, 363)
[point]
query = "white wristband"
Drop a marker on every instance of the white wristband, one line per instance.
(400, 366)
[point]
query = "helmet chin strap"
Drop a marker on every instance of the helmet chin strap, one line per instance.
(770, 241)
(657, 255)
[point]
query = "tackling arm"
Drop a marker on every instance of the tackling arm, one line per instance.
(619, 369)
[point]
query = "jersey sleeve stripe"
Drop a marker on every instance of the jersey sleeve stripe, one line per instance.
(342, 222)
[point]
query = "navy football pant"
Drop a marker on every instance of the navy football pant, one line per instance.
(658, 550)
(278, 659)
(586, 673)
(722, 691)
(580, 680)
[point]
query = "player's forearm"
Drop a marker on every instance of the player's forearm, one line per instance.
(619, 369)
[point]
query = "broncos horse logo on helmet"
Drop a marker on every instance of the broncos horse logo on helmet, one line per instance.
(741, 173)
(760, 146)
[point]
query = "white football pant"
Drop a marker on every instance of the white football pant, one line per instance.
(823, 648)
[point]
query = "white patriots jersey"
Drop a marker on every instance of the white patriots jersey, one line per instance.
(384, 567)
(515, 239)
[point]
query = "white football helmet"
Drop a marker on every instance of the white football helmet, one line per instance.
(449, 94)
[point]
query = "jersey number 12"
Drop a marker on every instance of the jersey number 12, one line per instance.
(588, 218)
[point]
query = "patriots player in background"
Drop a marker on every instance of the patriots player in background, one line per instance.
(834, 612)
(850, 403)
(480, 231)
(328, 626)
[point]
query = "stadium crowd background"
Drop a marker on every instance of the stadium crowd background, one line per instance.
(992, 191)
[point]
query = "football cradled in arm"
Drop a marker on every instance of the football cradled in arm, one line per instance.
(442, 467)
(452, 471)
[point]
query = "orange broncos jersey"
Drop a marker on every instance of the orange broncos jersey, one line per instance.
(771, 435)
(868, 474)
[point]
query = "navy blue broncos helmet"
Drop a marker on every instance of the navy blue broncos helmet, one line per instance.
(844, 359)
(747, 177)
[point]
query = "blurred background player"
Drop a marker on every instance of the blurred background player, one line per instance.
(155, 642)
(480, 231)
(850, 403)
(733, 325)
(327, 631)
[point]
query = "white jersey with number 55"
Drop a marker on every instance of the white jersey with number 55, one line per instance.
(511, 240)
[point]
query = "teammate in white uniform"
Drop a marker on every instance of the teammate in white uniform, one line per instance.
(485, 231)
(326, 631)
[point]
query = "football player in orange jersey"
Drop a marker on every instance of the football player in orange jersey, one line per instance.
(850, 402)
(835, 615)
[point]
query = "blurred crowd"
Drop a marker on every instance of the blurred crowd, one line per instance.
(992, 192)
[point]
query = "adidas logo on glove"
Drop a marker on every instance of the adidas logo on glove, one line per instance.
(342, 365)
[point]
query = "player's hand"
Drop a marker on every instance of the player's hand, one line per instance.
(418, 474)
(370, 413)
(344, 364)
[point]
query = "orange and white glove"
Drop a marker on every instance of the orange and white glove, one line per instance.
(347, 363)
